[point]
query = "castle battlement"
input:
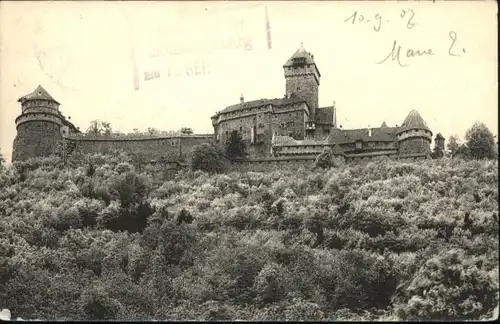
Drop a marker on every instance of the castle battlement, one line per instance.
(138, 137)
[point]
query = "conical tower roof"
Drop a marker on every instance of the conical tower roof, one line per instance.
(39, 93)
(383, 124)
(300, 53)
(439, 136)
(413, 121)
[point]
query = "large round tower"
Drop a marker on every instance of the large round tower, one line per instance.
(38, 127)
(414, 137)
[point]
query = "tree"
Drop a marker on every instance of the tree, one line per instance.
(463, 152)
(324, 160)
(153, 131)
(480, 141)
(235, 147)
(453, 144)
(205, 157)
(2, 159)
(99, 128)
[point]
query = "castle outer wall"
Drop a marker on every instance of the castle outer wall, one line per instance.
(147, 147)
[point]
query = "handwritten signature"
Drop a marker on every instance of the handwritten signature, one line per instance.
(395, 53)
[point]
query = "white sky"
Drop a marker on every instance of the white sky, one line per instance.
(80, 52)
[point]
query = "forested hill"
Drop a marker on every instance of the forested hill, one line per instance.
(100, 239)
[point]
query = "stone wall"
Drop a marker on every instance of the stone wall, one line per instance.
(290, 121)
(414, 145)
(170, 148)
(302, 81)
(36, 138)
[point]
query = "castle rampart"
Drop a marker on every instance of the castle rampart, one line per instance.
(147, 147)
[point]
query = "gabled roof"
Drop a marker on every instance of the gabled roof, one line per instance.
(300, 53)
(413, 121)
(39, 93)
(337, 150)
(263, 102)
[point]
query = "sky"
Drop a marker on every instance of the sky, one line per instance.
(169, 65)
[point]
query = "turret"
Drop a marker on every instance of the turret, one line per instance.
(302, 78)
(439, 146)
(39, 126)
(439, 141)
(414, 136)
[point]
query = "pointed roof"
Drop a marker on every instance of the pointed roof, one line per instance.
(337, 150)
(383, 124)
(439, 136)
(39, 93)
(413, 121)
(300, 53)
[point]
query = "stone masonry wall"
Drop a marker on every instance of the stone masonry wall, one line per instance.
(35, 138)
(170, 148)
(414, 145)
(289, 121)
(302, 81)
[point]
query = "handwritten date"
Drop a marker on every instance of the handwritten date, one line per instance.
(404, 56)
(407, 14)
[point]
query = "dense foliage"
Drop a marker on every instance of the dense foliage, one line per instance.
(480, 141)
(206, 157)
(98, 239)
(235, 146)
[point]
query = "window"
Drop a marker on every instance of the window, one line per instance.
(227, 132)
(359, 145)
(241, 128)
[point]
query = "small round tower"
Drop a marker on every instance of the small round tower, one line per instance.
(38, 127)
(414, 137)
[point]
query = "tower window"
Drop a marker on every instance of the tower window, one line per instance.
(298, 88)
(241, 128)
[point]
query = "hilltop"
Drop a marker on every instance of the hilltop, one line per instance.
(382, 240)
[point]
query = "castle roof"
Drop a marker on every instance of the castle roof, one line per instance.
(39, 93)
(262, 102)
(439, 136)
(413, 121)
(383, 124)
(382, 134)
(301, 53)
(287, 141)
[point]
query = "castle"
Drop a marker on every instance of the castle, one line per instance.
(293, 127)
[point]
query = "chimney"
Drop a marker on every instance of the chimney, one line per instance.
(369, 131)
(242, 100)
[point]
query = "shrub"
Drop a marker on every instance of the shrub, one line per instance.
(450, 286)
(207, 158)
